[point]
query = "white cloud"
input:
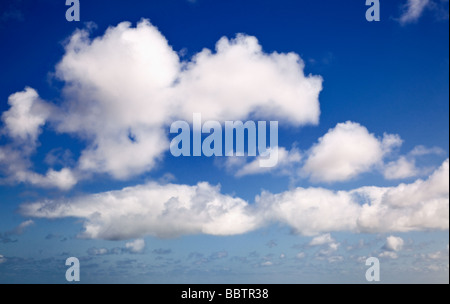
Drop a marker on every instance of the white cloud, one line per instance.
(345, 152)
(26, 116)
(421, 205)
(388, 255)
(405, 166)
(329, 245)
(311, 211)
(394, 243)
(422, 150)
(130, 83)
(300, 255)
(152, 209)
(2, 259)
(321, 240)
(124, 88)
(413, 10)
(239, 79)
(63, 179)
(286, 159)
(136, 246)
(172, 210)
(401, 168)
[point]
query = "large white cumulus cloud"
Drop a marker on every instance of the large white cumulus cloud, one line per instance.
(153, 209)
(173, 210)
(125, 87)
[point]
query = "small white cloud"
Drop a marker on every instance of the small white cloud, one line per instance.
(267, 264)
(300, 255)
(26, 116)
(136, 246)
(422, 150)
(321, 240)
(345, 152)
(413, 10)
(286, 159)
(388, 255)
(2, 259)
(400, 169)
(23, 124)
(63, 179)
(394, 243)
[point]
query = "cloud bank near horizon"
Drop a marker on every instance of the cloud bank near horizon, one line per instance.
(171, 210)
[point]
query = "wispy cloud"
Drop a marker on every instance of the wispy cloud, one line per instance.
(413, 10)
(19, 230)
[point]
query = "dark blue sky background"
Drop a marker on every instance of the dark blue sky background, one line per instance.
(386, 76)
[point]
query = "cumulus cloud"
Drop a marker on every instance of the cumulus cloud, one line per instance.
(405, 165)
(26, 116)
(124, 88)
(321, 240)
(328, 244)
(23, 124)
(153, 209)
(172, 210)
(401, 168)
(345, 152)
(422, 205)
(394, 243)
(413, 10)
(136, 246)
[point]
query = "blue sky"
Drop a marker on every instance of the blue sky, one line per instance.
(367, 176)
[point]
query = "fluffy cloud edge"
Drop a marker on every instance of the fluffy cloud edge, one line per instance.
(173, 210)
(124, 87)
